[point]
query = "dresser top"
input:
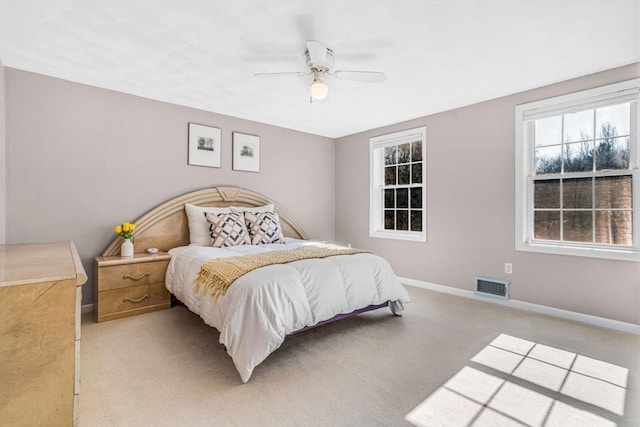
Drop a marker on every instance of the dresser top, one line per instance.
(40, 262)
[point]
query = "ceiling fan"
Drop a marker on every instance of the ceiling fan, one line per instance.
(320, 61)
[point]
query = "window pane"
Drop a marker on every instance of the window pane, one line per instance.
(416, 220)
(402, 220)
(613, 192)
(390, 155)
(404, 153)
(548, 131)
(389, 199)
(578, 126)
(416, 151)
(416, 198)
(577, 226)
(578, 157)
(396, 162)
(546, 194)
(402, 198)
(613, 153)
(614, 227)
(577, 193)
(416, 173)
(548, 159)
(613, 120)
(577, 183)
(546, 225)
(403, 174)
(389, 220)
(390, 175)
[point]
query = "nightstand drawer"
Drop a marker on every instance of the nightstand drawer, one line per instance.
(120, 301)
(124, 276)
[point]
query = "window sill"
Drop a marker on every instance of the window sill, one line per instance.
(414, 237)
(547, 248)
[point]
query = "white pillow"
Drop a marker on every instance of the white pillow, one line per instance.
(256, 209)
(198, 225)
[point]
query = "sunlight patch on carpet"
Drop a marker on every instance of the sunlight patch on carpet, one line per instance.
(516, 382)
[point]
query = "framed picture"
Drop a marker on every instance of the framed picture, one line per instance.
(204, 146)
(246, 152)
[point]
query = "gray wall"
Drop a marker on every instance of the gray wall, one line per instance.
(3, 166)
(471, 211)
(82, 159)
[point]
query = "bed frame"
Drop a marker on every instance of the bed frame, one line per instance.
(166, 226)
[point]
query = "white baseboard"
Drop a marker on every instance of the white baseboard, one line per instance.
(542, 309)
(87, 308)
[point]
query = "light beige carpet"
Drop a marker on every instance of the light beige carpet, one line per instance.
(449, 361)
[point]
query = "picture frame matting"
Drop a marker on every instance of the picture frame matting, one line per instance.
(204, 145)
(246, 152)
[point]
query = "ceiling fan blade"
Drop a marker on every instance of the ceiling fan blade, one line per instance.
(289, 74)
(361, 76)
(317, 53)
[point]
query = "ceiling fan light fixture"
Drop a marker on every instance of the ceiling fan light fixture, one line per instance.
(320, 61)
(319, 89)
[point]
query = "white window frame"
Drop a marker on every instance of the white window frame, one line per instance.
(376, 168)
(525, 115)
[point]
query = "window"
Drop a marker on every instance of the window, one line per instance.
(577, 177)
(398, 191)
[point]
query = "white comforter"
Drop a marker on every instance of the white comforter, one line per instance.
(265, 305)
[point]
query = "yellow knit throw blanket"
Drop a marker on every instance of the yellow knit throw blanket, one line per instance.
(217, 274)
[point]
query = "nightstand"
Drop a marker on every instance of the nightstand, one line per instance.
(126, 286)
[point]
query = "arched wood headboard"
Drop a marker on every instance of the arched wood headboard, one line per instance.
(165, 226)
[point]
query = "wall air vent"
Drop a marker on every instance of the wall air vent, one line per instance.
(488, 286)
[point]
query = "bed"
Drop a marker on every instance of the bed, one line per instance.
(262, 306)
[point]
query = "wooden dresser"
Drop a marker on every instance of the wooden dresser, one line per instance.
(126, 286)
(40, 297)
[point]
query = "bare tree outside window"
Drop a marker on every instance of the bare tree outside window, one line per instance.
(582, 190)
(402, 187)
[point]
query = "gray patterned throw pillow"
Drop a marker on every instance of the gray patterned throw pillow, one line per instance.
(264, 227)
(227, 229)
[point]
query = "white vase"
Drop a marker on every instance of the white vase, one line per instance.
(126, 249)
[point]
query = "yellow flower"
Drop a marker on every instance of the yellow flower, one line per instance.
(125, 230)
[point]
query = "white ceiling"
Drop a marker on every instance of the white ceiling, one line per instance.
(437, 55)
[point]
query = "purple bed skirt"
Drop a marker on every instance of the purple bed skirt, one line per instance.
(342, 316)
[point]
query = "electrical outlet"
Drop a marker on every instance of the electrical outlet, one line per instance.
(508, 268)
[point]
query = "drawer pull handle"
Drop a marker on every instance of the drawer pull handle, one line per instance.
(136, 278)
(136, 300)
